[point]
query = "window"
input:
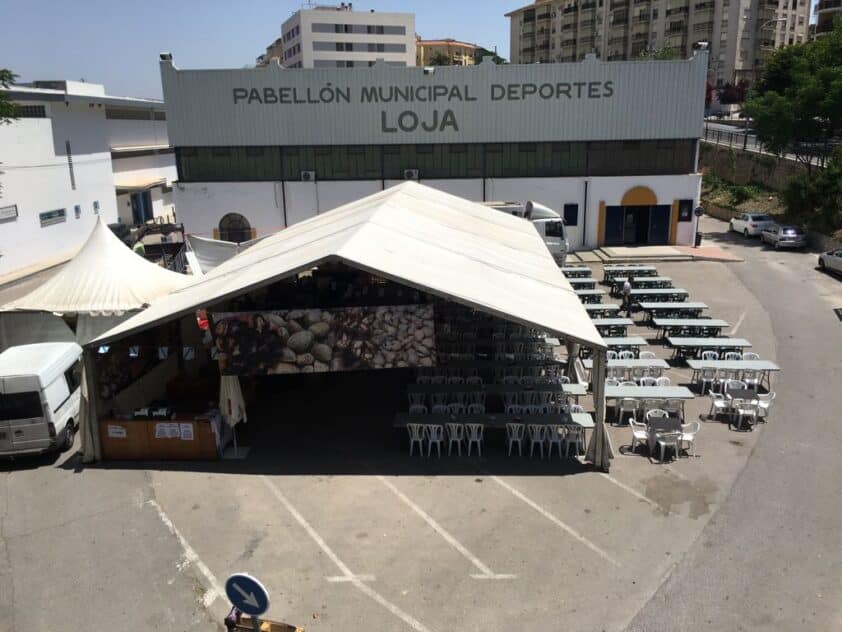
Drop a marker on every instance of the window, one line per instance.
(685, 210)
(31, 111)
(52, 217)
(128, 114)
(554, 229)
(73, 375)
(571, 214)
(77, 211)
(234, 227)
(96, 207)
(20, 406)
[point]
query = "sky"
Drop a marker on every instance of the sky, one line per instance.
(117, 43)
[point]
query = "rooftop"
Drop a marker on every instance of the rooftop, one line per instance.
(77, 91)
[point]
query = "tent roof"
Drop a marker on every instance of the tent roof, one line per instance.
(411, 234)
(104, 277)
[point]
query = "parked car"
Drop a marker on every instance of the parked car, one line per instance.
(39, 397)
(751, 224)
(831, 261)
(784, 236)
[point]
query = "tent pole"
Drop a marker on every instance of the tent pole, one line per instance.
(602, 451)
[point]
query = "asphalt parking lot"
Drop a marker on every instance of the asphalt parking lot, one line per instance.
(350, 533)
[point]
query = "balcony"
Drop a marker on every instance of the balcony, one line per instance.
(527, 49)
(826, 5)
(543, 16)
(568, 42)
(586, 24)
(677, 11)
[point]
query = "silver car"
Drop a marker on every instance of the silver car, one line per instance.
(831, 261)
(784, 236)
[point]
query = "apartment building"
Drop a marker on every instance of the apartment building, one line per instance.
(339, 37)
(457, 53)
(76, 153)
(740, 33)
(827, 11)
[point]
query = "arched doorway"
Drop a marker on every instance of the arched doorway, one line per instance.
(234, 227)
(639, 219)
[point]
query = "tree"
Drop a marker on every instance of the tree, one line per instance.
(659, 54)
(481, 53)
(8, 110)
(440, 59)
(797, 104)
(816, 199)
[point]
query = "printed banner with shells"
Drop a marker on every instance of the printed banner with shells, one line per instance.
(319, 340)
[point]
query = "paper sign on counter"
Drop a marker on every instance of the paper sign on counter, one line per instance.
(186, 432)
(116, 432)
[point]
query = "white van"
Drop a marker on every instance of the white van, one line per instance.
(39, 397)
(546, 221)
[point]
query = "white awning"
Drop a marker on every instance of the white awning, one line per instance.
(412, 234)
(105, 277)
(209, 253)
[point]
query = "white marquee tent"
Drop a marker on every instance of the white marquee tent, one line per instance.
(102, 282)
(417, 236)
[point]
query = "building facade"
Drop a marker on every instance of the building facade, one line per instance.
(264, 148)
(740, 33)
(339, 37)
(827, 12)
(455, 52)
(74, 154)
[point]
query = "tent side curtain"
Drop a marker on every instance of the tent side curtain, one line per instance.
(89, 327)
(21, 328)
(210, 253)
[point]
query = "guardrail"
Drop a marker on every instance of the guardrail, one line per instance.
(740, 139)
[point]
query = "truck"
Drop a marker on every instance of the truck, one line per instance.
(547, 222)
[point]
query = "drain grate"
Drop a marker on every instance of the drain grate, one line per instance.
(838, 312)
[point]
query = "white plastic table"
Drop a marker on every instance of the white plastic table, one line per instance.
(683, 346)
(667, 326)
(576, 272)
(684, 309)
(764, 367)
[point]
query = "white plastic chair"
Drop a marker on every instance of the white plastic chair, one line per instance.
(734, 384)
(572, 437)
(455, 434)
(417, 434)
(710, 355)
(437, 399)
(456, 408)
(438, 379)
(456, 379)
(417, 409)
(417, 398)
(611, 355)
(441, 409)
(707, 378)
(688, 435)
(662, 381)
(637, 372)
(751, 378)
(576, 408)
(746, 410)
(626, 355)
(674, 406)
(514, 409)
(476, 397)
(476, 409)
(514, 435)
(718, 405)
(628, 383)
(474, 380)
(640, 435)
(750, 355)
(527, 380)
(647, 355)
(648, 381)
(656, 413)
(564, 379)
(473, 437)
(552, 435)
(627, 405)
(764, 403)
(536, 437)
(435, 436)
(459, 398)
(511, 379)
(668, 440)
(510, 398)
(424, 379)
(733, 355)
(612, 381)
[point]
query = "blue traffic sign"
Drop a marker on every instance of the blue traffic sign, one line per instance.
(247, 594)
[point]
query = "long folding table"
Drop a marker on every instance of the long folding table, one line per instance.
(665, 294)
(576, 272)
(628, 365)
(685, 309)
(590, 296)
(682, 347)
(626, 270)
(764, 367)
(698, 327)
(599, 310)
(582, 283)
(640, 282)
(612, 326)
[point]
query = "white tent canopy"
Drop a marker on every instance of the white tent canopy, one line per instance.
(105, 277)
(205, 254)
(411, 234)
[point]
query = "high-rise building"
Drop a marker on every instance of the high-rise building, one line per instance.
(827, 11)
(455, 52)
(339, 37)
(739, 33)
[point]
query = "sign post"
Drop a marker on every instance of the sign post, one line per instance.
(698, 212)
(248, 595)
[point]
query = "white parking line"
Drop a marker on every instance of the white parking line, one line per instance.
(346, 572)
(630, 490)
(556, 521)
(739, 322)
(191, 557)
(485, 572)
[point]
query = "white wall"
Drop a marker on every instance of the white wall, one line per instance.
(131, 171)
(201, 205)
(36, 178)
(130, 133)
(667, 189)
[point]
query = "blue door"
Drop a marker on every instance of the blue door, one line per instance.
(141, 207)
(659, 225)
(615, 225)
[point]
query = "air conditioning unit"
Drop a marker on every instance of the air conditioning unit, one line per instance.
(308, 176)
(410, 174)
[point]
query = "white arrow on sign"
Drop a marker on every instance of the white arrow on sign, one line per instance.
(248, 598)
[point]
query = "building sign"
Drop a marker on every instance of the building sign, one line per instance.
(591, 100)
(324, 340)
(8, 212)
